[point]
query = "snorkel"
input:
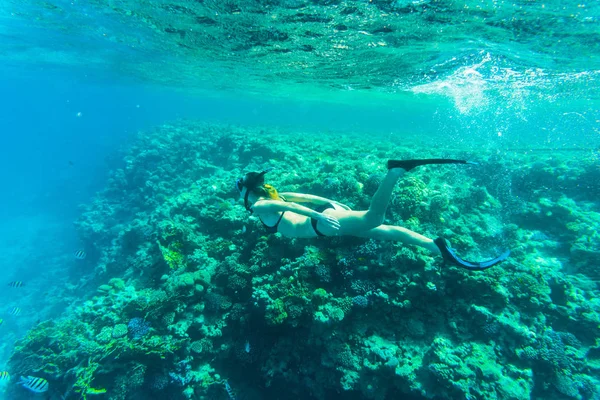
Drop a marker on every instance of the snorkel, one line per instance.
(251, 181)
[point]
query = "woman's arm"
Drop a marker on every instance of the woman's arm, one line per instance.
(271, 206)
(304, 198)
(309, 198)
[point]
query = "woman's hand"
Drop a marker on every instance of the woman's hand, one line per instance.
(329, 220)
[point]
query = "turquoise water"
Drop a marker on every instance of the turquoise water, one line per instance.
(513, 83)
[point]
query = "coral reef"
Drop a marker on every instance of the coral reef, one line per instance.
(189, 299)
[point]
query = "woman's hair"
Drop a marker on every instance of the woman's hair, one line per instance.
(267, 191)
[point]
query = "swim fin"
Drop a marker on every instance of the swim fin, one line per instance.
(449, 255)
(407, 165)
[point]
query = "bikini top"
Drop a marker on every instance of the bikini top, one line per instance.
(274, 228)
(270, 229)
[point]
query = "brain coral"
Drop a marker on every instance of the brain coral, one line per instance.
(119, 331)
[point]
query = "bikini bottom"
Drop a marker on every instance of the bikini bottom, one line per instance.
(320, 209)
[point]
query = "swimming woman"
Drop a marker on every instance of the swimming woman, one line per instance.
(284, 213)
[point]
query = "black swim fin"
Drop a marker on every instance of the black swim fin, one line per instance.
(407, 165)
(451, 257)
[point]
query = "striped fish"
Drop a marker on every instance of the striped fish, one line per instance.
(80, 254)
(15, 284)
(15, 311)
(230, 391)
(4, 376)
(36, 385)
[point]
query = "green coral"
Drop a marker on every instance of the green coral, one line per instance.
(320, 296)
(410, 196)
(84, 378)
(276, 314)
(105, 335)
(119, 331)
(173, 256)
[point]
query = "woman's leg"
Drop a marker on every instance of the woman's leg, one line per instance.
(354, 223)
(403, 235)
(380, 200)
(375, 215)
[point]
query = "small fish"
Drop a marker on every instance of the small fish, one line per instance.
(16, 284)
(36, 385)
(80, 254)
(247, 347)
(1, 321)
(4, 376)
(244, 229)
(15, 311)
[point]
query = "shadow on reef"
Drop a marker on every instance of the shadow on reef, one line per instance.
(189, 299)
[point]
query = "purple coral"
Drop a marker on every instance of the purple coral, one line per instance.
(137, 328)
(323, 273)
(360, 301)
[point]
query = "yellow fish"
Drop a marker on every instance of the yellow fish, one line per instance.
(93, 391)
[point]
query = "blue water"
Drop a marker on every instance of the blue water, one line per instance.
(62, 128)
